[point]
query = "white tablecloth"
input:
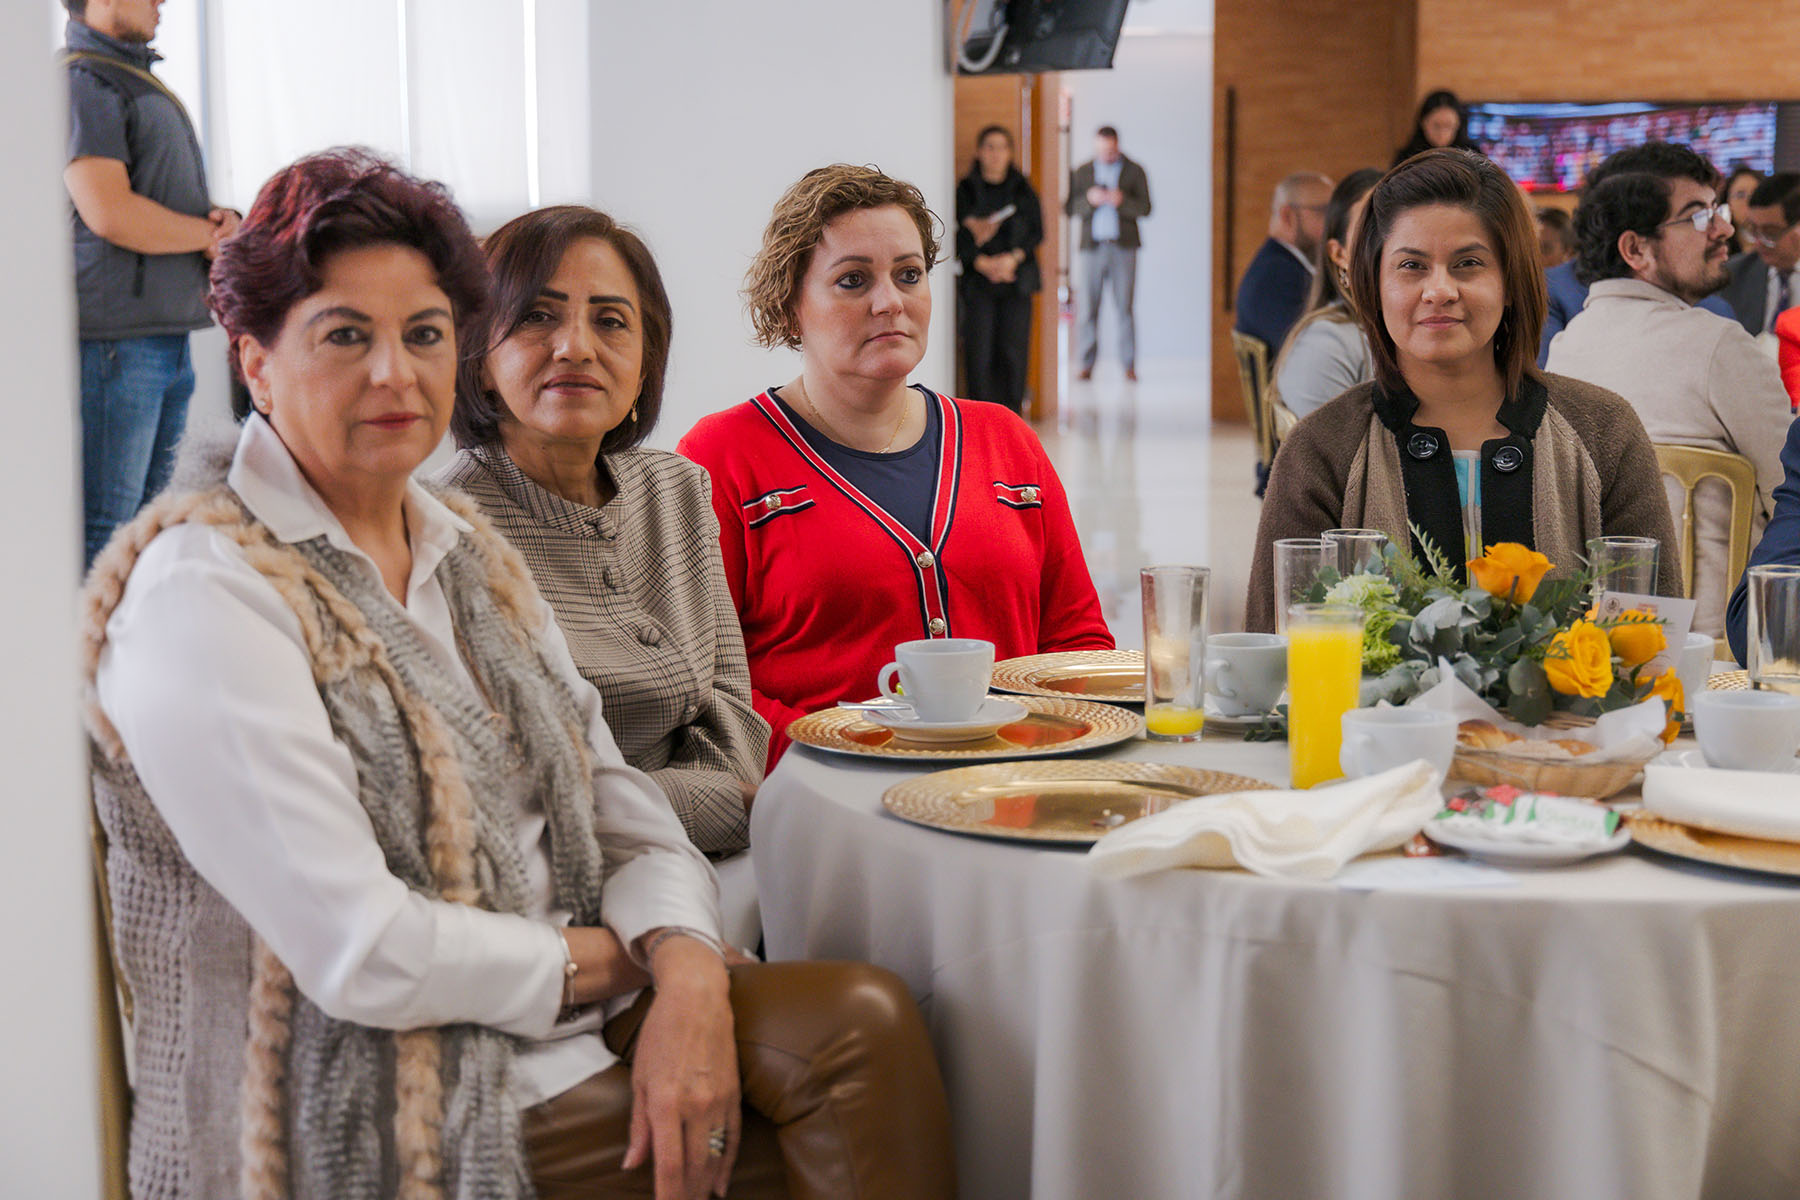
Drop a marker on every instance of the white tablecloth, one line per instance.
(1616, 1029)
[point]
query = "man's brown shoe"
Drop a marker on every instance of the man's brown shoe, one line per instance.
(1131, 374)
(1085, 373)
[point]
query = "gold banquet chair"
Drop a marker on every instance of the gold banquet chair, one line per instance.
(1253, 381)
(1688, 465)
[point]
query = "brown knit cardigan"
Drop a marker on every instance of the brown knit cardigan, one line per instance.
(1585, 469)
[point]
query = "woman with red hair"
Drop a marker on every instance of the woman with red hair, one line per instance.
(398, 917)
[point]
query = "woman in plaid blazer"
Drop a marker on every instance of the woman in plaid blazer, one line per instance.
(562, 382)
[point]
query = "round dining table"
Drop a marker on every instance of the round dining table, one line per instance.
(1612, 1029)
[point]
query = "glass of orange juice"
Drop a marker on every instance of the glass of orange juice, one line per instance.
(1174, 651)
(1324, 678)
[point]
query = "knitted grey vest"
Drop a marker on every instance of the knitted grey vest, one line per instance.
(244, 1087)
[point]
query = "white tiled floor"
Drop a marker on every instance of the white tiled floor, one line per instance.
(1152, 480)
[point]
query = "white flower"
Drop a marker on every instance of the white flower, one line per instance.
(1367, 592)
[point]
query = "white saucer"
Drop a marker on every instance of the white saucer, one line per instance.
(1503, 852)
(994, 712)
(1696, 760)
(1221, 720)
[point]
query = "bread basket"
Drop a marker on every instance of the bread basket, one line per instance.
(1604, 776)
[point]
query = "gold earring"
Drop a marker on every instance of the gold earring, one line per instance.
(633, 417)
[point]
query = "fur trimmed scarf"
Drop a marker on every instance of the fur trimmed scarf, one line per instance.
(326, 1107)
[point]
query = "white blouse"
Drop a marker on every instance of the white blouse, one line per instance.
(206, 677)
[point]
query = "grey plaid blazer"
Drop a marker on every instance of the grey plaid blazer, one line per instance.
(639, 590)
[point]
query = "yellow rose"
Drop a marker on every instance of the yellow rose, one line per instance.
(1637, 638)
(1509, 571)
(1668, 687)
(1580, 661)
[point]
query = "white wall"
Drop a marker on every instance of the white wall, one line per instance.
(1159, 97)
(48, 1119)
(705, 111)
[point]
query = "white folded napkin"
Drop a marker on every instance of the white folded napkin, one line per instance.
(1762, 804)
(1288, 835)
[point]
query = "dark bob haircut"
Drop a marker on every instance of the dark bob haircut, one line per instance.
(522, 255)
(320, 206)
(1466, 180)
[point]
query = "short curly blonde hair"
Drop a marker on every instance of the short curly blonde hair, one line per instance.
(795, 227)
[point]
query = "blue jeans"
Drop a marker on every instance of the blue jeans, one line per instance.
(134, 401)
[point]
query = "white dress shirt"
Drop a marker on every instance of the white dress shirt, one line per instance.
(206, 677)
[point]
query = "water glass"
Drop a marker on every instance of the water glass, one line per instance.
(1174, 651)
(1298, 562)
(1624, 564)
(1773, 628)
(1359, 551)
(1324, 680)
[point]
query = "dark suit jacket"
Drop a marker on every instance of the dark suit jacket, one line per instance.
(1780, 540)
(1568, 294)
(1271, 296)
(1748, 291)
(1136, 204)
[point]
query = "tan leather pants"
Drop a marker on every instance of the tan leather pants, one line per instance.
(842, 1096)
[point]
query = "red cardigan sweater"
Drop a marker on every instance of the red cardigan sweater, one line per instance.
(827, 583)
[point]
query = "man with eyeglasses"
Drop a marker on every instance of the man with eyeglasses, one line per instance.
(1652, 245)
(1765, 280)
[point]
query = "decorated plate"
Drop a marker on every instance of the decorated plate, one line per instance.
(1728, 681)
(1510, 852)
(1048, 727)
(1721, 849)
(1072, 803)
(1114, 676)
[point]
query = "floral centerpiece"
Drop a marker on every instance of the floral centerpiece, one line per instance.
(1527, 645)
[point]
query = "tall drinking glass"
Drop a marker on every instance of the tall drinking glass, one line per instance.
(1624, 564)
(1324, 677)
(1773, 628)
(1174, 651)
(1298, 562)
(1358, 551)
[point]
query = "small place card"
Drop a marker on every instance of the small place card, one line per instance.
(1381, 873)
(1677, 617)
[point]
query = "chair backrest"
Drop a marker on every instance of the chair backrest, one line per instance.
(1688, 465)
(1252, 355)
(111, 1021)
(1282, 418)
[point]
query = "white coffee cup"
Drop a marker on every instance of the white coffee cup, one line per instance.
(1748, 731)
(944, 679)
(1245, 672)
(1379, 739)
(1693, 666)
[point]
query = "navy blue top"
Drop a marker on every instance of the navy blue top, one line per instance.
(904, 482)
(1780, 542)
(1272, 295)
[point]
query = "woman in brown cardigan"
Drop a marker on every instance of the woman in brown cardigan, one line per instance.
(1460, 436)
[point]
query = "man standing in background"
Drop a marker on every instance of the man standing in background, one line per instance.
(143, 231)
(1110, 194)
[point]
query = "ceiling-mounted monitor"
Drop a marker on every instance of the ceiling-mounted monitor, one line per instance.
(1552, 147)
(1023, 37)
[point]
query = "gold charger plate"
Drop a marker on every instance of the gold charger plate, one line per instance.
(1113, 676)
(1728, 681)
(1073, 803)
(1722, 849)
(1050, 727)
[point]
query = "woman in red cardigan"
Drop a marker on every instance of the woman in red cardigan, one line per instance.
(856, 511)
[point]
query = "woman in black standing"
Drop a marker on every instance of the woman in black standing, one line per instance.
(1443, 123)
(998, 228)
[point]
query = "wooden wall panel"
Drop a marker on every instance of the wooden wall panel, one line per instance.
(1321, 85)
(1610, 49)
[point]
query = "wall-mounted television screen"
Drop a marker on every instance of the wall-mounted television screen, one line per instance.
(1551, 147)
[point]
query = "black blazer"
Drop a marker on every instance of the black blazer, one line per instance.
(1136, 204)
(976, 197)
(1748, 291)
(1272, 295)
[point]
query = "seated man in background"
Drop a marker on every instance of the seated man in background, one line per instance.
(1765, 280)
(1780, 543)
(1272, 294)
(1556, 237)
(1652, 244)
(1567, 293)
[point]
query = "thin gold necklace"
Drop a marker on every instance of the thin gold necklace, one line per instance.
(831, 430)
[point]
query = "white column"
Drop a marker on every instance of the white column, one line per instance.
(48, 1119)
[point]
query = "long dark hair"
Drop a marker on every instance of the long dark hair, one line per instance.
(1325, 289)
(1418, 142)
(1467, 181)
